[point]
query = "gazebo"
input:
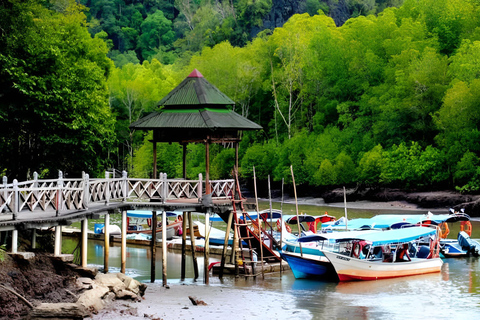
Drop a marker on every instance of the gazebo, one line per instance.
(195, 112)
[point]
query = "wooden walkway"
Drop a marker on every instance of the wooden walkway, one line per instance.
(46, 203)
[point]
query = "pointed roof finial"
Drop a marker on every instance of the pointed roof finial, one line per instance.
(195, 74)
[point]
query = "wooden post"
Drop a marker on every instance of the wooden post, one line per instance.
(153, 246)
(106, 242)
(184, 245)
(184, 161)
(84, 242)
(34, 238)
(206, 252)
(207, 166)
(14, 241)
(225, 244)
(164, 248)
(236, 156)
(58, 241)
(123, 249)
(192, 243)
(281, 228)
(259, 224)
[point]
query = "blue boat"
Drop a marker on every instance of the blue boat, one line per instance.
(305, 256)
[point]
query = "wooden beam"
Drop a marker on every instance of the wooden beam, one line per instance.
(164, 248)
(124, 242)
(153, 247)
(208, 190)
(84, 242)
(207, 247)
(184, 245)
(192, 242)
(106, 242)
(58, 241)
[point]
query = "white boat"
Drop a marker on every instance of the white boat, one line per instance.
(387, 254)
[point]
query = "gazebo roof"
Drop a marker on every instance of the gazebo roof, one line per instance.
(196, 91)
(193, 110)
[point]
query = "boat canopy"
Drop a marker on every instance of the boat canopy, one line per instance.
(384, 221)
(376, 238)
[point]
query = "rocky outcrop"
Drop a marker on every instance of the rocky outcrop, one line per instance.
(282, 10)
(96, 295)
(433, 199)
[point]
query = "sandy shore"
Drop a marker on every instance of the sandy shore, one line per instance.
(222, 302)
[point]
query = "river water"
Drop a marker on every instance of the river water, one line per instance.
(451, 294)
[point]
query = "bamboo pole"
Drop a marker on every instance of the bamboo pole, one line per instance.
(84, 225)
(258, 221)
(192, 244)
(106, 245)
(281, 228)
(271, 218)
(153, 247)
(225, 244)
(206, 252)
(124, 242)
(58, 241)
(184, 245)
(345, 201)
(296, 207)
(164, 248)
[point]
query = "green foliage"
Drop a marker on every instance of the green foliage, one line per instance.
(53, 86)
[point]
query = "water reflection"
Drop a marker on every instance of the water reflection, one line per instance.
(453, 293)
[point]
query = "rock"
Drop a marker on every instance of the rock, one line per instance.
(126, 294)
(196, 302)
(110, 280)
(96, 298)
(133, 285)
(60, 310)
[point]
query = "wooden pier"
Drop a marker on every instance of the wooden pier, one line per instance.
(38, 203)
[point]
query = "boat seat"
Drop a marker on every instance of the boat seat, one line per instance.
(423, 252)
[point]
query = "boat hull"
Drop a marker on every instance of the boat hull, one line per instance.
(348, 268)
(309, 266)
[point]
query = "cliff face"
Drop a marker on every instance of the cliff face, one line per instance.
(282, 10)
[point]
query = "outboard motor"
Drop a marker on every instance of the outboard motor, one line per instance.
(471, 246)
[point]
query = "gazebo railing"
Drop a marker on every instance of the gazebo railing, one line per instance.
(60, 195)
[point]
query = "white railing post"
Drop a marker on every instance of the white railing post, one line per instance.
(200, 185)
(86, 190)
(35, 184)
(125, 185)
(14, 241)
(15, 197)
(107, 188)
(164, 190)
(59, 192)
(5, 192)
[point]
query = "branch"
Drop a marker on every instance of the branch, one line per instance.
(18, 295)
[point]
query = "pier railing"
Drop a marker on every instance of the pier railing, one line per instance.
(63, 195)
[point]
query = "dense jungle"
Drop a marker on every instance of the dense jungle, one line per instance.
(348, 92)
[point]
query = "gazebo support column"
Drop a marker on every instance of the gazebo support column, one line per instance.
(207, 166)
(184, 160)
(154, 157)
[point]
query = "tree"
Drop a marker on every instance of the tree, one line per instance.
(54, 111)
(157, 32)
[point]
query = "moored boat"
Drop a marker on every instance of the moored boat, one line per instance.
(387, 254)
